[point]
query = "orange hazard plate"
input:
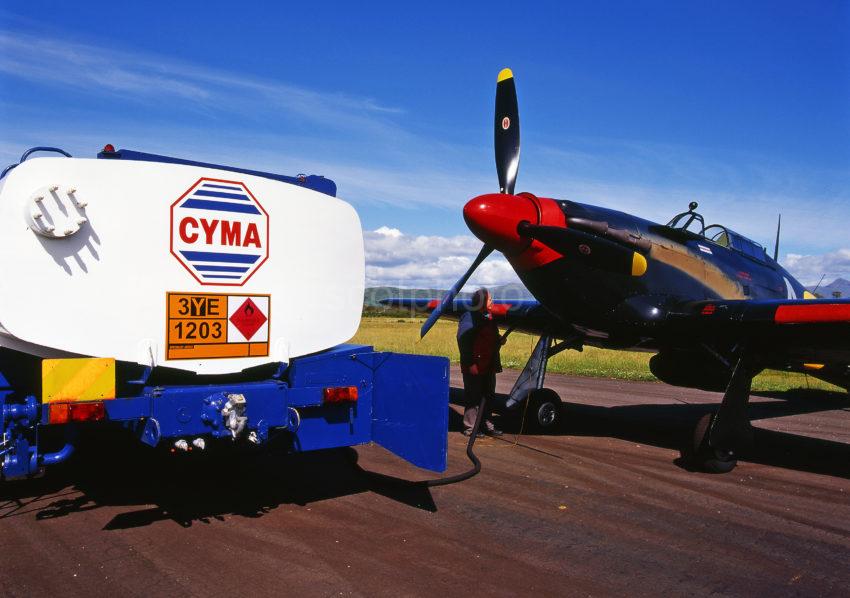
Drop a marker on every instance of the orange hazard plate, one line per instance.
(213, 326)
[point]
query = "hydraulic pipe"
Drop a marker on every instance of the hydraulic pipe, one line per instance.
(63, 453)
(59, 456)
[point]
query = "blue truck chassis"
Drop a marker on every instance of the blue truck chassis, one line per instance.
(345, 396)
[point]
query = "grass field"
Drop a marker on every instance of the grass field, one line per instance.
(402, 334)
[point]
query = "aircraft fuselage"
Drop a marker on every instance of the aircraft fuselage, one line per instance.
(622, 308)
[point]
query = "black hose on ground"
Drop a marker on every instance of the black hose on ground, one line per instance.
(476, 464)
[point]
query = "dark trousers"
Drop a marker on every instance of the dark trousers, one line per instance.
(474, 387)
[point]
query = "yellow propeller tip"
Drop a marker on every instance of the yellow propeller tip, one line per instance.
(505, 74)
(638, 264)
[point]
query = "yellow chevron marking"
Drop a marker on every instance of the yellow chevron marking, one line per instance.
(504, 74)
(84, 379)
(808, 295)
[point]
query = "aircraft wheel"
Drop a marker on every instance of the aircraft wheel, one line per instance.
(713, 460)
(543, 413)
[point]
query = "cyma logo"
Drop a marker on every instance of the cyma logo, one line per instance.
(219, 232)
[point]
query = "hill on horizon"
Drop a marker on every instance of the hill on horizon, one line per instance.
(373, 295)
(839, 285)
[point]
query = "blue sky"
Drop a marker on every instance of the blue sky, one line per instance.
(642, 106)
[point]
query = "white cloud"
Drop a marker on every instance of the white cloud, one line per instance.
(137, 76)
(810, 268)
(396, 259)
(386, 231)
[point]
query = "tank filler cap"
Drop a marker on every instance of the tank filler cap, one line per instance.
(55, 211)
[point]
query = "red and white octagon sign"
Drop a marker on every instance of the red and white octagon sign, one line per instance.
(219, 232)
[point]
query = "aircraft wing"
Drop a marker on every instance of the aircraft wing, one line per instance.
(522, 314)
(781, 332)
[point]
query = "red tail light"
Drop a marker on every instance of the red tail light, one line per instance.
(340, 394)
(63, 413)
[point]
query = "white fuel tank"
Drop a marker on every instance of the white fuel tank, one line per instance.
(189, 267)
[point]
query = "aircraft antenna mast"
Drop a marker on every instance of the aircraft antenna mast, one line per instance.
(776, 246)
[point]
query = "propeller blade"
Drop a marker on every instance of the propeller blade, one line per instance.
(506, 131)
(590, 249)
(486, 250)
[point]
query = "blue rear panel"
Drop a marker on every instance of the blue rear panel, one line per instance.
(410, 408)
(403, 403)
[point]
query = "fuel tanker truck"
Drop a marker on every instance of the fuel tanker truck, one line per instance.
(189, 304)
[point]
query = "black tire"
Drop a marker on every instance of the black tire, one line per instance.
(543, 413)
(710, 459)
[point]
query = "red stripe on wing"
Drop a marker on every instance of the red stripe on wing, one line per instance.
(802, 314)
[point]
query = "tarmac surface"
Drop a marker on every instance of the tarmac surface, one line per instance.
(605, 506)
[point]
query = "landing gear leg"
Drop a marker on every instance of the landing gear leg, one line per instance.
(544, 405)
(719, 437)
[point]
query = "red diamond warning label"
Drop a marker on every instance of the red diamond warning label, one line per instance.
(248, 319)
(215, 326)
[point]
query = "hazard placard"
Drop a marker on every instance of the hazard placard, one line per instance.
(216, 326)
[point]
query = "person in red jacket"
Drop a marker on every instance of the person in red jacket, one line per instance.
(479, 342)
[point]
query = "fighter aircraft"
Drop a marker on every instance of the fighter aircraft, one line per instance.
(712, 304)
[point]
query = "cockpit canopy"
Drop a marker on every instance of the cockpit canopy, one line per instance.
(694, 223)
(691, 220)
